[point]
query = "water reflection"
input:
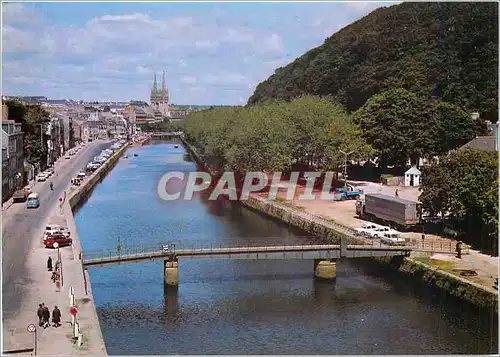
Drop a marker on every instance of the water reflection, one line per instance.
(249, 307)
(171, 305)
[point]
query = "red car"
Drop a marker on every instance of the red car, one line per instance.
(61, 239)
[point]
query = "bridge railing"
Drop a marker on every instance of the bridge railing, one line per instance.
(171, 245)
(168, 247)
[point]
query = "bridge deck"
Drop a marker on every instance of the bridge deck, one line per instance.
(320, 251)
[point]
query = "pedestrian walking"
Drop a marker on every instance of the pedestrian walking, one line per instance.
(46, 317)
(49, 264)
(40, 314)
(423, 239)
(56, 317)
(397, 192)
(459, 249)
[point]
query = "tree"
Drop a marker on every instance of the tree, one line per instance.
(395, 124)
(275, 135)
(17, 110)
(453, 127)
(465, 185)
(445, 49)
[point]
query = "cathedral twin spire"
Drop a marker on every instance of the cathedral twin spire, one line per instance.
(156, 94)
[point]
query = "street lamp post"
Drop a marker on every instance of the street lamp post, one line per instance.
(345, 166)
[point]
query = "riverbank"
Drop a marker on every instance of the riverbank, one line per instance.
(32, 285)
(414, 266)
(89, 327)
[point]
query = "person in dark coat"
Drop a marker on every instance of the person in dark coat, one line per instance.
(49, 264)
(56, 317)
(46, 317)
(40, 314)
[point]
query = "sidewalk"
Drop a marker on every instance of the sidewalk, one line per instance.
(40, 288)
(37, 287)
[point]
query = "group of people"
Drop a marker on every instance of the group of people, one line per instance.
(44, 316)
(56, 275)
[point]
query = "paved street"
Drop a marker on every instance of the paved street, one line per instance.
(21, 227)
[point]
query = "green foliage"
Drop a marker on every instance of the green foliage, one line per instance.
(465, 185)
(36, 115)
(162, 126)
(275, 135)
(32, 117)
(17, 110)
(412, 46)
(400, 125)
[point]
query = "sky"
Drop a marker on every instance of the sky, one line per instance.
(213, 53)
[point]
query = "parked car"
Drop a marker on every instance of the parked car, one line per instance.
(392, 238)
(41, 177)
(20, 195)
(61, 239)
(379, 231)
(366, 228)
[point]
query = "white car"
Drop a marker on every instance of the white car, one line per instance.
(67, 157)
(41, 177)
(393, 238)
(366, 228)
(379, 231)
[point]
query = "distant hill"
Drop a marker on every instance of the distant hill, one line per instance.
(411, 45)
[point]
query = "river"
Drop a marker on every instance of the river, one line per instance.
(248, 307)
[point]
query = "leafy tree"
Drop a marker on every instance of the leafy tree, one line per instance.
(17, 110)
(465, 185)
(446, 49)
(275, 135)
(453, 127)
(395, 124)
(33, 117)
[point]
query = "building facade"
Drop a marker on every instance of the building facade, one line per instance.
(159, 98)
(13, 153)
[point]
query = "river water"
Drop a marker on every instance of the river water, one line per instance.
(248, 307)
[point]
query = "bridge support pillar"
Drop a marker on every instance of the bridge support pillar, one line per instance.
(171, 272)
(325, 269)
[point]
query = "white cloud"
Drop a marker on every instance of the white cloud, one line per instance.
(208, 58)
(273, 43)
(206, 44)
(189, 80)
(224, 78)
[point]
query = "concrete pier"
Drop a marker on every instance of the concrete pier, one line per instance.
(325, 269)
(171, 271)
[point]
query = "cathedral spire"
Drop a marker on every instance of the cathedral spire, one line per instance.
(163, 83)
(155, 84)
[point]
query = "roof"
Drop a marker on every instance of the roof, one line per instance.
(390, 198)
(413, 171)
(482, 143)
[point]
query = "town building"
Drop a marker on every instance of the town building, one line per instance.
(12, 156)
(159, 98)
(487, 142)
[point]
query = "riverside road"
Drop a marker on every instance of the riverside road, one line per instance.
(232, 306)
(22, 226)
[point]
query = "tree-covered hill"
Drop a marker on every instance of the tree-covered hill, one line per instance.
(447, 49)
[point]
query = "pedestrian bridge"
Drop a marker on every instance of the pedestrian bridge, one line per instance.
(311, 252)
(323, 255)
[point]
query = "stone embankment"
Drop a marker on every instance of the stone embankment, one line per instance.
(93, 341)
(410, 266)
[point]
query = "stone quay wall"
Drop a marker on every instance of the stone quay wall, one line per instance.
(83, 290)
(331, 231)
